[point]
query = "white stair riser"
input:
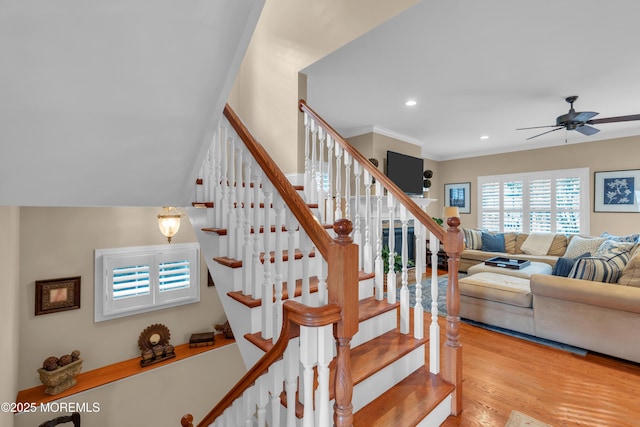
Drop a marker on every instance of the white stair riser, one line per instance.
(374, 327)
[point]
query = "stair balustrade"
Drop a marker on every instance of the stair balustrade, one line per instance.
(304, 279)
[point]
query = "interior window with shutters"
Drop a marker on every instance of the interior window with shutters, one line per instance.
(140, 279)
(550, 201)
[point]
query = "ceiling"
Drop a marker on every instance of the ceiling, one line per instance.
(113, 103)
(479, 68)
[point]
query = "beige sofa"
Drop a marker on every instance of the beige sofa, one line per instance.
(601, 317)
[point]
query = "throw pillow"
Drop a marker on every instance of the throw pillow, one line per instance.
(558, 246)
(617, 252)
(629, 238)
(631, 273)
(595, 269)
(472, 238)
(564, 265)
(537, 243)
(580, 245)
(492, 242)
(510, 242)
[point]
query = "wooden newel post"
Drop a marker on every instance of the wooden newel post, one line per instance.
(452, 351)
(187, 421)
(342, 283)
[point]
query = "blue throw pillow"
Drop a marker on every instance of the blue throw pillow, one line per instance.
(492, 242)
(564, 265)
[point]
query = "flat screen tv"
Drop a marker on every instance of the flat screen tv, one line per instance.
(405, 172)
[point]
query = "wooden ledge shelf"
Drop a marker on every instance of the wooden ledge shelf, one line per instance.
(117, 371)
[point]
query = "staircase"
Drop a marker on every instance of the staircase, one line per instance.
(300, 274)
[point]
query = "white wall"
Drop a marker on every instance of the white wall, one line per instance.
(9, 307)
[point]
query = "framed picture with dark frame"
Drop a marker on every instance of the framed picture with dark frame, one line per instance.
(458, 195)
(57, 295)
(617, 191)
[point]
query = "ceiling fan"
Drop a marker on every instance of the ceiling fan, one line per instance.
(580, 121)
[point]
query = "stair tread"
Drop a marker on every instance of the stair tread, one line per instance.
(237, 263)
(372, 356)
(421, 392)
(235, 205)
(368, 308)
(256, 302)
(224, 231)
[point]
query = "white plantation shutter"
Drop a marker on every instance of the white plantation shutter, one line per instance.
(550, 201)
(141, 279)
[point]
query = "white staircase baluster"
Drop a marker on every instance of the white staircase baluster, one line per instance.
(217, 178)
(308, 358)
(391, 241)
(307, 159)
(233, 195)
(357, 234)
(292, 226)
(325, 355)
(224, 163)
(279, 224)
(323, 291)
(291, 364)
(321, 165)
(247, 407)
(241, 191)
(276, 387)
(404, 290)
(267, 283)
(262, 398)
(328, 205)
(338, 212)
(305, 247)
(247, 249)
(378, 267)
(257, 267)
(434, 328)
(418, 310)
(368, 255)
(314, 162)
(347, 185)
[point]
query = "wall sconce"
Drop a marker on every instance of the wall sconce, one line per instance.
(169, 222)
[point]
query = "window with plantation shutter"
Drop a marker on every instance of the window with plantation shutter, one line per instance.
(550, 201)
(141, 279)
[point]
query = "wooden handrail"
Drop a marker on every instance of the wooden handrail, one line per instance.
(296, 204)
(411, 206)
(295, 315)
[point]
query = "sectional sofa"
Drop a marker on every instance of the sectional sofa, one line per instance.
(597, 309)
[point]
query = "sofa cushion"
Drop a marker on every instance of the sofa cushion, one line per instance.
(631, 273)
(472, 238)
(629, 238)
(510, 242)
(558, 246)
(564, 265)
(537, 243)
(580, 245)
(497, 287)
(520, 238)
(492, 242)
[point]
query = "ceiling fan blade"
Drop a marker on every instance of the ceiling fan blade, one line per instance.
(614, 119)
(587, 130)
(540, 134)
(583, 116)
(538, 127)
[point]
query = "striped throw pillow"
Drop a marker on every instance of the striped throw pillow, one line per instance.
(606, 265)
(472, 238)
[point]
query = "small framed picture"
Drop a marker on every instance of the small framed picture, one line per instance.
(57, 295)
(458, 195)
(617, 191)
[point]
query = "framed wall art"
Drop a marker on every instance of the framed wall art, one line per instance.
(617, 191)
(57, 295)
(458, 195)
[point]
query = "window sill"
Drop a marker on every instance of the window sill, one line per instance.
(115, 372)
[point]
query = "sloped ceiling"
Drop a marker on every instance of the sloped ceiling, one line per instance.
(112, 103)
(484, 68)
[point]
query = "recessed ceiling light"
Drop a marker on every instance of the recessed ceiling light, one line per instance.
(484, 137)
(410, 103)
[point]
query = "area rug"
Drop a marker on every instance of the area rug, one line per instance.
(426, 293)
(518, 419)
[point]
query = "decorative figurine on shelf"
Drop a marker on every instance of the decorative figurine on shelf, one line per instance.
(59, 374)
(154, 345)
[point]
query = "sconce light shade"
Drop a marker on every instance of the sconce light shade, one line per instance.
(451, 212)
(169, 222)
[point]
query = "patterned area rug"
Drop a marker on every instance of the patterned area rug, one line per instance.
(518, 419)
(426, 293)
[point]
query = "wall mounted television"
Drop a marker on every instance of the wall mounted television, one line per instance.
(405, 172)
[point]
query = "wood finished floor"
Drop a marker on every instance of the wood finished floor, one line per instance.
(501, 373)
